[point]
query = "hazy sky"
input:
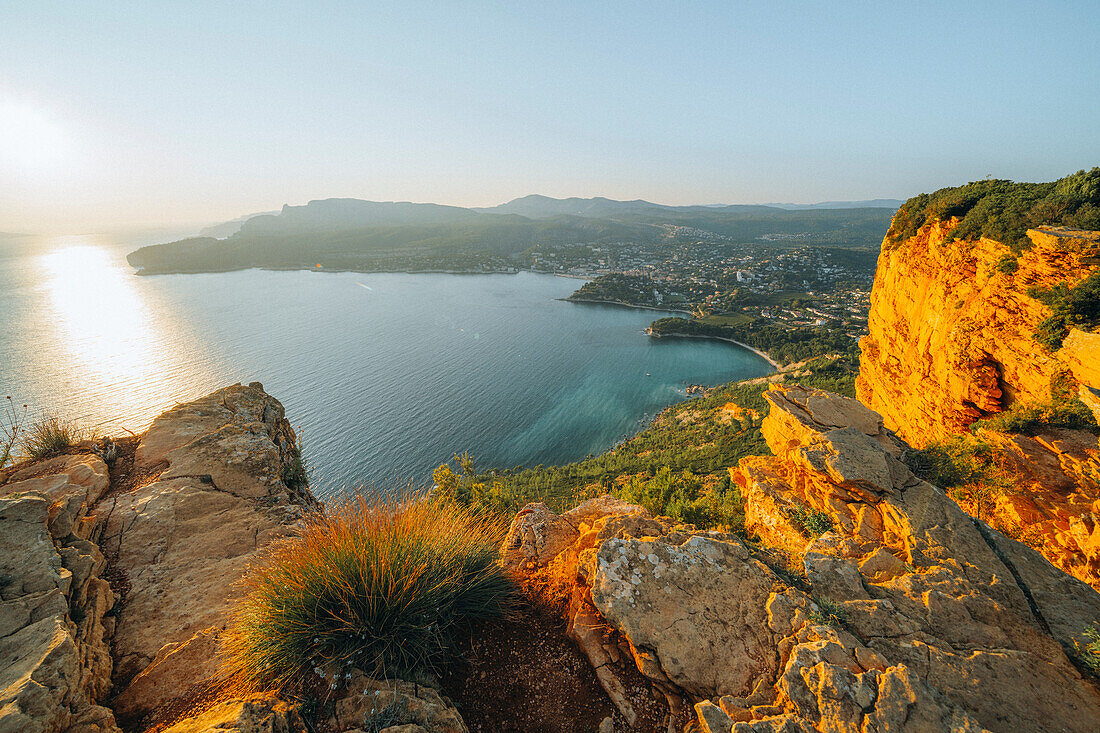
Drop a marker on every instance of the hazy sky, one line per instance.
(125, 113)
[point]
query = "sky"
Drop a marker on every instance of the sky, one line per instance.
(126, 114)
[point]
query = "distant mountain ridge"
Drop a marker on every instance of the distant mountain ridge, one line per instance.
(894, 204)
(353, 234)
(351, 213)
(537, 206)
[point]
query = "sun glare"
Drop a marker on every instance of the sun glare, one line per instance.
(29, 139)
(99, 315)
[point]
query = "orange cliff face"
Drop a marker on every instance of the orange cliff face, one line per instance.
(951, 341)
(951, 334)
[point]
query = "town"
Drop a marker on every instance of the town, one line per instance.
(722, 283)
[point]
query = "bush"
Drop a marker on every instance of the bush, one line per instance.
(813, 522)
(296, 471)
(829, 613)
(1089, 654)
(1077, 306)
(967, 468)
(1004, 210)
(682, 496)
(52, 435)
(1008, 264)
(1034, 418)
(373, 586)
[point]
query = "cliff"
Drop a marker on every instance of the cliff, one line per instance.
(858, 597)
(865, 600)
(953, 339)
(952, 329)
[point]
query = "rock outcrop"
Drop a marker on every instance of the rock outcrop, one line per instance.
(182, 541)
(952, 340)
(951, 333)
(212, 482)
(1054, 505)
(907, 615)
(55, 663)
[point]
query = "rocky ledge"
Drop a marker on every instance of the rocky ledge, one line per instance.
(859, 598)
(906, 614)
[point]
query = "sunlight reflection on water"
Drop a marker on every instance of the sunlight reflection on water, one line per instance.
(118, 352)
(387, 374)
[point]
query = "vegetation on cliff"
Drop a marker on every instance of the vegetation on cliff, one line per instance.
(1070, 306)
(973, 471)
(1004, 210)
(372, 586)
(782, 343)
(1066, 410)
(676, 467)
(968, 468)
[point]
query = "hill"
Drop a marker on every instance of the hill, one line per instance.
(403, 236)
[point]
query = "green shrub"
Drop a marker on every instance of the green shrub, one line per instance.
(813, 522)
(829, 613)
(52, 435)
(1077, 306)
(1004, 210)
(954, 461)
(683, 496)
(967, 468)
(1034, 418)
(1089, 654)
(296, 471)
(374, 586)
(1008, 264)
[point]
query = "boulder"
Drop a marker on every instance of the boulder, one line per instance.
(374, 704)
(183, 541)
(72, 483)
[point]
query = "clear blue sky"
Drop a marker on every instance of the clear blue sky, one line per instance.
(125, 113)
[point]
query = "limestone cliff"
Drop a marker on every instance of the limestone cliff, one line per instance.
(859, 598)
(951, 333)
(952, 339)
(899, 612)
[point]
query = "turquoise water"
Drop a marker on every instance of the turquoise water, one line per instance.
(387, 375)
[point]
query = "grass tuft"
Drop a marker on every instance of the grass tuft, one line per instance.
(11, 429)
(829, 613)
(1089, 654)
(52, 435)
(380, 587)
(394, 714)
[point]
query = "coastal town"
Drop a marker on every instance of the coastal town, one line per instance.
(724, 284)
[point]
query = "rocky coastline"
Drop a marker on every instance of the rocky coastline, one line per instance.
(905, 614)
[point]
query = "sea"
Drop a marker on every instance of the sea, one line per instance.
(385, 376)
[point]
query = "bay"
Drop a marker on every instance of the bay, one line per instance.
(385, 375)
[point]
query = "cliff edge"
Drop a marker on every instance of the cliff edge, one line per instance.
(865, 600)
(952, 327)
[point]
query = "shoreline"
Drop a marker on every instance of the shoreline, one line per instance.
(142, 272)
(571, 299)
(758, 352)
